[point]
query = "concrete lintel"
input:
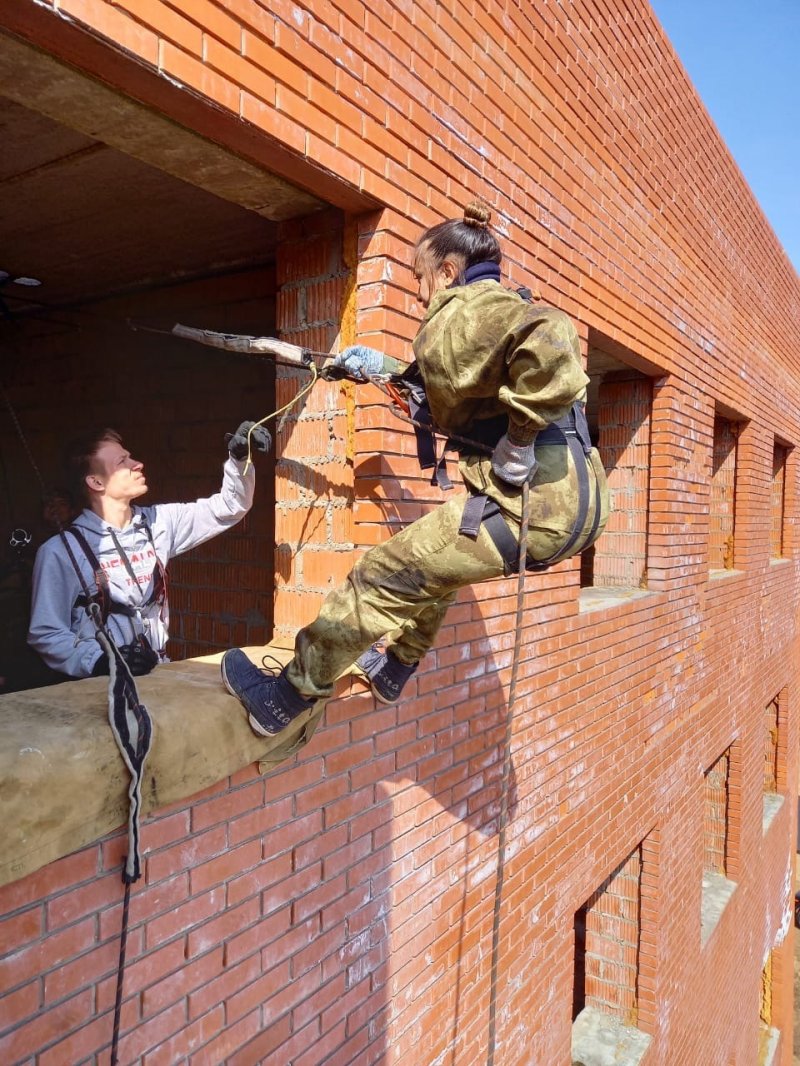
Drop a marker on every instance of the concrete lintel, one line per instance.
(770, 1041)
(40, 82)
(76, 52)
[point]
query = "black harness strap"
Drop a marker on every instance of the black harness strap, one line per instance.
(424, 429)
(573, 431)
(108, 605)
(476, 511)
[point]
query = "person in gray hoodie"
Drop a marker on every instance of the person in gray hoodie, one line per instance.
(121, 551)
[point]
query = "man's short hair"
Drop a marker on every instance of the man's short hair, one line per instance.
(80, 458)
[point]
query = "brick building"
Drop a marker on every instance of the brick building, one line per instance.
(265, 167)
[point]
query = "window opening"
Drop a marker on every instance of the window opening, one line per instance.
(605, 1003)
(717, 888)
(619, 409)
(723, 495)
(778, 500)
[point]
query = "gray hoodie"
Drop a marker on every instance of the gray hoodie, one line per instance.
(63, 633)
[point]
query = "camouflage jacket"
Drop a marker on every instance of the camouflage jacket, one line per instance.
(484, 351)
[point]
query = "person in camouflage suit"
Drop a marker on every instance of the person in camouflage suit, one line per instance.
(497, 369)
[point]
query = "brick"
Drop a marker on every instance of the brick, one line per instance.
(163, 863)
(86, 970)
(17, 1006)
(268, 1041)
(225, 866)
(174, 988)
(56, 876)
(186, 69)
(184, 917)
(192, 1036)
(232, 1037)
(149, 969)
(90, 1038)
(233, 920)
(146, 1036)
(169, 23)
(21, 929)
(114, 25)
(41, 956)
(21, 1042)
(87, 899)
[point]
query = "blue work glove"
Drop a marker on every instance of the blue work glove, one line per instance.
(260, 441)
(360, 361)
(514, 463)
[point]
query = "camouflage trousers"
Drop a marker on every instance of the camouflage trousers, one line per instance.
(406, 584)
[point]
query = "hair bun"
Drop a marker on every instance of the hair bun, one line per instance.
(477, 214)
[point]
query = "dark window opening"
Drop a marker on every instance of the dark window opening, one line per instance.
(115, 241)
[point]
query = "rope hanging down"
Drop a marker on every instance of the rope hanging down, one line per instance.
(506, 774)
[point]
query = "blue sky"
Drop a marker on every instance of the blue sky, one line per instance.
(743, 59)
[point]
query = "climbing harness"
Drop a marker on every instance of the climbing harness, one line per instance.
(572, 431)
(108, 605)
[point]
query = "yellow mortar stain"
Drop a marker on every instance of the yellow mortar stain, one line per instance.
(765, 1007)
(727, 553)
(347, 329)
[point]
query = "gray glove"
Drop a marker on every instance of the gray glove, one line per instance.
(260, 440)
(514, 463)
(360, 361)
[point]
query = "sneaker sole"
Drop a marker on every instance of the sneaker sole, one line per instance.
(381, 698)
(255, 725)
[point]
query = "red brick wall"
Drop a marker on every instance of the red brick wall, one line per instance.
(614, 196)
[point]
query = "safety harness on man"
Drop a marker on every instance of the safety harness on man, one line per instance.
(103, 596)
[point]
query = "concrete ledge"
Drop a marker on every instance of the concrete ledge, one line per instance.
(598, 1039)
(598, 599)
(717, 892)
(769, 1044)
(772, 804)
(63, 783)
(723, 575)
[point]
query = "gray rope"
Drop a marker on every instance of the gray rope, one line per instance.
(506, 775)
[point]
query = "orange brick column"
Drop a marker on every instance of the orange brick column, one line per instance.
(314, 476)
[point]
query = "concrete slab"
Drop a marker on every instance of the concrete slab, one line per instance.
(600, 1040)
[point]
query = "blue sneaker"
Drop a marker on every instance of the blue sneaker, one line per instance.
(387, 675)
(271, 701)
